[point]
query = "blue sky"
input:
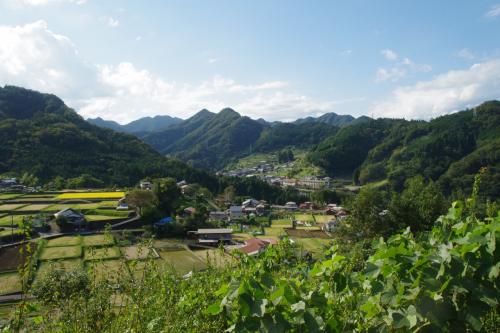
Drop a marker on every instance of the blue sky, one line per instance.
(279, 60)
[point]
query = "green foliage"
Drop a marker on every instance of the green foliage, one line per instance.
(140, 199)
(167, 194)
(43, 137)
(285, 156)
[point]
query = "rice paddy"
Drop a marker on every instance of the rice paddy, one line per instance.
(101, 253)
(91, 195)
(98, 240)
(61, 252)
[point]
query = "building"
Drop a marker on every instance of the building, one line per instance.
(71, 216)
(254, 246)
(122, 204)
(212, 236)
(306, 205)
(330, 226)
(145, 185)
(236, 213)
(218, 216)
(290, 205)
(250, 203)
(314, 183)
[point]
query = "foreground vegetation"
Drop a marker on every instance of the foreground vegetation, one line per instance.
(444, 279)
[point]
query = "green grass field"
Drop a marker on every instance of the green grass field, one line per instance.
(10, 207)
(98, 240)
(97, 218)
(138, 253)
(323, 218)
(91, 195)
(313, 245)
(10, 283)
(33, 208)
(64, 265)
(182, 261)
(10, 231)
(281, 223)
(275, 232)
(61, 252)
(304, 217)
(216, 258)
(101, 253)
(7, 196)
(109, 270)
(64, 241)
(7, 220)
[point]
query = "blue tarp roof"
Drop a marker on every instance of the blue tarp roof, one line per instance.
(165, 220)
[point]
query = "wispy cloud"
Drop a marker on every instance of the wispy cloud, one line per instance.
(40, 3)
(494, 11)
(389, 54)
(212, 60)
(399, 69)
(446, 93)
(112, 23)
(466, 54)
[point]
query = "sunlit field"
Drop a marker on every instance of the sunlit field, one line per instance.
(92, 195)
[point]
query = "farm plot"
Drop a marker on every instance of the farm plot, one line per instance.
(142, 269)
(98, 240)
(313, 245)
(33, 208)
(281, 223)
(182, 261)
(64, 241)
(9, 219)
(215, 258)
(138, 253)
(10, 231)
(7, 196)
(274, 232)
(63, 265)
(10, 207)
(91, 195)
(110, 270)
(98, 218)
(323, 218)
(11, 258)
(56, 208)
(10, 283)
(61, 252)
(304, 217)
(101, 253)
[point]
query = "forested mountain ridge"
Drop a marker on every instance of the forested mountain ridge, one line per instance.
(330, 118)
(139, 127)
(449, 149)
(42, 136)
(214, 140)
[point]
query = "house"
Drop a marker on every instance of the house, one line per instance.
(218, 216)
(290, 205)
(212, 236)
(122, 204)
(306, 205)
(289, 182)
(182, 183)
(145, 185)
(260, 209)
(330, 225)
(254, 246)
(8, 182)
(189, 211)
(236, 213)
(71, 216)
(250, 203)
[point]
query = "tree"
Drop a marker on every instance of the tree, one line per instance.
(419, 205)
(229, 193)
(140, 199)
(29, 179)
(167, 195)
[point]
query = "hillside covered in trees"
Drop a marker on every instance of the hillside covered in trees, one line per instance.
(449, 149)
(40, 135)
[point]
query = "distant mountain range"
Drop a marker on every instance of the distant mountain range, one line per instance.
(140, 127)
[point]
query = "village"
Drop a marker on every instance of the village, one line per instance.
(99, 230)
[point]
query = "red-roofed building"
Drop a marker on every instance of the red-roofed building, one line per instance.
(254, 246)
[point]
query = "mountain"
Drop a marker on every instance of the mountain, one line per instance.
(212, 140)
(449, 150)
(330, 118)
(140, 127)
(42, 136)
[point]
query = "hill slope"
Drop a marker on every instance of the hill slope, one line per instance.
(449, 149)
(41, 135)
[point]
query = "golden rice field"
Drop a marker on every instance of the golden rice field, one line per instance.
(92, 195)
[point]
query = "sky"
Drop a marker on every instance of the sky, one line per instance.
(271, 59)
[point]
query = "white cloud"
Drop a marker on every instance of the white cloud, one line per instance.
(138, 38)
(346, 52)
(112, 23)
(399, 69)
(494, 11)
(212, 60)
(39, 3)
(389, 54)
(34, 57)
(391, 74)
(446, 93)
(466, 54)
